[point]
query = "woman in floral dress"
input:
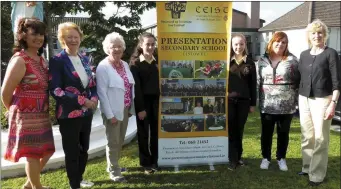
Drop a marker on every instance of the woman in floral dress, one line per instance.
(24, 94)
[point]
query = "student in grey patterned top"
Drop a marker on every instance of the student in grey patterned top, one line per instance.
(278, 80)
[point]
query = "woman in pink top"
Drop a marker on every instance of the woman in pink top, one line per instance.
(115, 88)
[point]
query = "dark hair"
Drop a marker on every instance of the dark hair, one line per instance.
(37, 26)
(138, 50)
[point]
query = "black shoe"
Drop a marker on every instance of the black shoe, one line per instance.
(232, 166)
(302, 173)
(311, 183)
(241, 163)
(155, 168)
(123, 169)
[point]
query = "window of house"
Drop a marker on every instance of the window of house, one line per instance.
(249, 44)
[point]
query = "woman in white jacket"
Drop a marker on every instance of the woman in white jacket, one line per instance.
(115, 87)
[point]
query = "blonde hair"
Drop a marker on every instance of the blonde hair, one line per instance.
(64, 27)
(112, 38)
(245, 52)
(317, 25)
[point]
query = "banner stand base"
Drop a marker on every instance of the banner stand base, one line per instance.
(176, 169)
(211, 167)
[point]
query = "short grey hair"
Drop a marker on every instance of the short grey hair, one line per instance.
(112, 38)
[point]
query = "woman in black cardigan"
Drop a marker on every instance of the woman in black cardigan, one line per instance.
(241, 97)
(319, 92)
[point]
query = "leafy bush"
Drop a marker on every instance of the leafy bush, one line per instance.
(4, 121)
(52, 107)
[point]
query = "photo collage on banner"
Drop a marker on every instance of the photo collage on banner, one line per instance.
(193, 46)
(188, 100)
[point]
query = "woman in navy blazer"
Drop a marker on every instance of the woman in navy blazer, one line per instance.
(73, 87)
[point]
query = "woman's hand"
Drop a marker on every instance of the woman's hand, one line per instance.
(330, 112)
(232, 94)
(113, 120)
(89, 104)
(95, 104)
(142, 115)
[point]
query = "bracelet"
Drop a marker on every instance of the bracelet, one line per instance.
(334, 101)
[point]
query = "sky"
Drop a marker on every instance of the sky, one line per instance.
(269, 11)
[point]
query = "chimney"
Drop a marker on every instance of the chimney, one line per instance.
(252, 11)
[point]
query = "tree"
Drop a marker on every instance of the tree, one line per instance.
(6, 36)
(95, 34)
(57, 9)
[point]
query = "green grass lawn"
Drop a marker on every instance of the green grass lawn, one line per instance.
(200, 177)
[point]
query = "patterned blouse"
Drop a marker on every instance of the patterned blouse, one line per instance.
(127, 94)
(278, 87)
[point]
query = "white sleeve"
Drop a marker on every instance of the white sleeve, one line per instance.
(102, 88)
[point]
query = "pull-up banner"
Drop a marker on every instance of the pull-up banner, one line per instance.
(193, 52)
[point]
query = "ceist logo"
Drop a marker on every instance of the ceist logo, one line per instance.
(176, 8)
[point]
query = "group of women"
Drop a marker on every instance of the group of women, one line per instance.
(133, 89)
(121, 90)
(313, 83)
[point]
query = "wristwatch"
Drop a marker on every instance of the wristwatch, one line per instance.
(335, 101)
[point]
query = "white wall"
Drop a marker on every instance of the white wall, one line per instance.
(298, 40)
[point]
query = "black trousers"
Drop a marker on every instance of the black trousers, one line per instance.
(147, 132)
(283, 122)
(238, 111)
(75, 139)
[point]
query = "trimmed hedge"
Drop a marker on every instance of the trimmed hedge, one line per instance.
(4, 123)
(52, 104)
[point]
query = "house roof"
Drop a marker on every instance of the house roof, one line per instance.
(327, 12)
(299, 17)
(296, 18)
